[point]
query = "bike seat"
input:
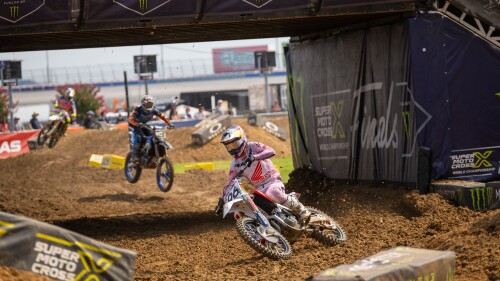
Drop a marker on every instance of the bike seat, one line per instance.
(256, 192)
(263, 202)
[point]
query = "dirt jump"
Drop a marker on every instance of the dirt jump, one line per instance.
(177, 236)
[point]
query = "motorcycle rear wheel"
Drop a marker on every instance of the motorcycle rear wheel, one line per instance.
(165, 174)
(42, 136)
(132, 170)
(247, 228)
(327, 235)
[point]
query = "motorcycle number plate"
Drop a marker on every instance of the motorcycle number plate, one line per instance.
(234, 193)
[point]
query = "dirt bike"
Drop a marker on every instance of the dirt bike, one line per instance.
(153, 155)
(256, 212)
(53, 131)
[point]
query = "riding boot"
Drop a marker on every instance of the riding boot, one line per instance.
(65, 129)
(136, 152)
(293, 203)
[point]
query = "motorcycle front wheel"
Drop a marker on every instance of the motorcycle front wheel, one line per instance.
(326, 230)
(247, 228)
(165, 174)
(132, 170)
(54, 139)
(43, 135)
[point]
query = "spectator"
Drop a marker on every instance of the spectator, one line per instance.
(276, 107)
(173, 109)
(174, 116)
(218, 108)
(201, 113)
(34, 123)
(188, 114)
(88, 121)
(17, 126)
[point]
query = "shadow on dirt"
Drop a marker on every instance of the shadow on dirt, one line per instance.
(121, 197)
(147, 225)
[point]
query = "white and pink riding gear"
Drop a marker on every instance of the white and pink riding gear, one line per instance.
(261, 173)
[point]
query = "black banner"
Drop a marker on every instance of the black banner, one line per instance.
(370, 115)
(251, 6)
(356, 87)
(456, 79)
(22, 12)
(110, 10)
(60, 254)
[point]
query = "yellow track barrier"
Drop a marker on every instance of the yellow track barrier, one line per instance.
(205, 166)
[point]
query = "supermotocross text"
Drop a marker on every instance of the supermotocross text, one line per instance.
(55, 262)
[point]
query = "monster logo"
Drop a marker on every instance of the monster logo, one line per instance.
(482, 197)
(14, 11)
(143, 5)
(257, 3)
(481, 159)
(11, 10)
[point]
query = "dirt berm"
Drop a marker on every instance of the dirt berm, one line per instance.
(177, 236)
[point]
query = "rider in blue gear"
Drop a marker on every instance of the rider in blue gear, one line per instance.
(141, 115)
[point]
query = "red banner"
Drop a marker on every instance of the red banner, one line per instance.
(13, 144)
(235, 59)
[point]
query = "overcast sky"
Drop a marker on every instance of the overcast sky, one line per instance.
(115, 55)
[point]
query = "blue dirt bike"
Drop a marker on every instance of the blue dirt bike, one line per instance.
(153, 155)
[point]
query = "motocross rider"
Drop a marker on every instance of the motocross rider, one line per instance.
(260, 172)
(65, 102)
(141, 115)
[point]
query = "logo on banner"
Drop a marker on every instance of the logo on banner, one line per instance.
(257, 3)
(56, 258)
(482, 159)
(142, 7)
(482, 197)
(380, 130)
(19, 9)
(3, 225)
(472, 163)
(10, 146)
(14, 11)
(337, 113)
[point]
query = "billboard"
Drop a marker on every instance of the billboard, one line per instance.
(35, 12)
(235, 59)
(98, 10)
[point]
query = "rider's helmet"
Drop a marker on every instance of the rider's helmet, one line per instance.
(70, 93)
(235, 140)
(90, 112)
(147, 103)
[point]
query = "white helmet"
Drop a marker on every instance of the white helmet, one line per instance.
(147, 103)
(235, 140)
(70, 93)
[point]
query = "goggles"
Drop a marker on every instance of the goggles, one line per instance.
(148, 105)
(233, 145)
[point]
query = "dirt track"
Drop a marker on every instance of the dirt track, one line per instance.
(177, 237)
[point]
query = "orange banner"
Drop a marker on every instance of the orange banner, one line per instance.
(13, 144)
